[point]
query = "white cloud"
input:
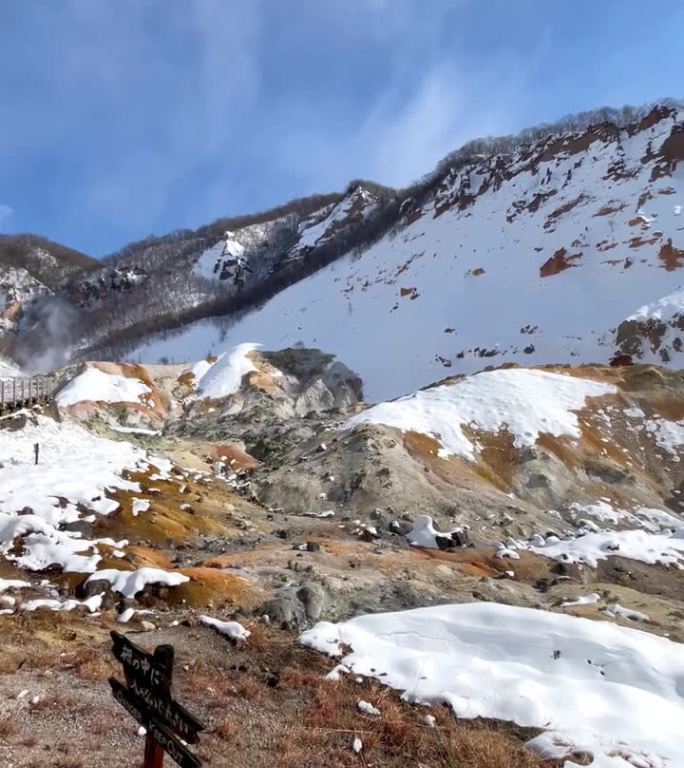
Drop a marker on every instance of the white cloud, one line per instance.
(408, 130)
(198, 109)
(405, 143)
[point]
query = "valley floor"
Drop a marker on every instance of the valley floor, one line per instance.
(527, 555)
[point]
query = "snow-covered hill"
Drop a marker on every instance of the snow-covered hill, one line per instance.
(535, 256)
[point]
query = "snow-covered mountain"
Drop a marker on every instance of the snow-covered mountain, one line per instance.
(47, 262)
(534, 255)
(541, 248)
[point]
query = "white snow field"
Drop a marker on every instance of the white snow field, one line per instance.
(527, 402)
(469, 280)
(652, 536)
(76, 470)
(96, 385)
(615, 692)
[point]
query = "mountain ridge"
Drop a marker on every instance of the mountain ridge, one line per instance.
(155, 285)
(535, 256)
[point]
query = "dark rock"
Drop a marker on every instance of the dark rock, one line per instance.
(452, 540)
(314, 599)
(285, 611)
(367, 535)
(97, 587)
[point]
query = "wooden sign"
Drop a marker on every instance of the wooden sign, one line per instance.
(147, 697)
(148, 669)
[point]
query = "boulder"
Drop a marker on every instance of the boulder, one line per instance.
(295, 610)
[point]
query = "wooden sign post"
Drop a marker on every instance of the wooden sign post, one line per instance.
(147, 697)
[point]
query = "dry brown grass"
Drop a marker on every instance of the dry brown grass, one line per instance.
(216, 691)
(398, 736)
(250, 689)
(481, 747)
(7, 728)
(9, 663)
(28, 740)
(94, 665)
(498, 456)
(69, 761)
(226, 730)
(258, 640)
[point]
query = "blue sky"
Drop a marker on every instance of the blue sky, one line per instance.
(121, 118)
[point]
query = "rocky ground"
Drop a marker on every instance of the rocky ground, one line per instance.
(280, 519)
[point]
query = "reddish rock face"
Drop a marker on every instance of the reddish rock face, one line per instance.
(673, 147)
(671, 257)
(559, 262)
(620, 361)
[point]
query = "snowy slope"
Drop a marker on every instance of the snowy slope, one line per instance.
(533, 256)
(353, 208)
(524, 402)
(614, 692)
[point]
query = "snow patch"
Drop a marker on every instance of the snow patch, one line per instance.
(231, 629)
(586, 600)
(96, 385)
(669, 435)
(209, 265)
(13, 584)
(615, 609)
(367, 708)
(130, 583)
(225, 376)
(139, 505)
(596, 685)
(424, 534)
(640, 545)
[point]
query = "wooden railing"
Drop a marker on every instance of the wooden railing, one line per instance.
(19, 392)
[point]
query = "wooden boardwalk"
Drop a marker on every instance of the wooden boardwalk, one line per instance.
(21, 392)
